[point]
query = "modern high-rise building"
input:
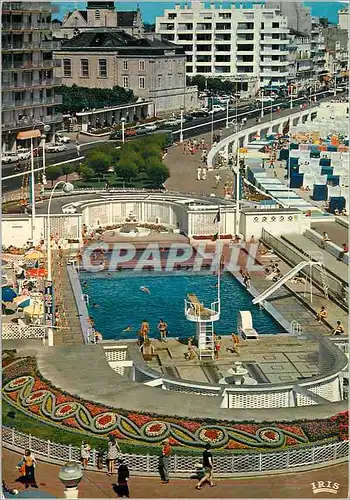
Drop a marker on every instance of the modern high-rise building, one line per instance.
(29, 96)
(247, 45)
(343, 19)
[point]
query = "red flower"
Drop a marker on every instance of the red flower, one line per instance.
(155, 428)
(94, 409)
(65, 409)
(191, 426)
(270, 434)
(71, 422)
(138, 419)
(235, 445)
(211, 434)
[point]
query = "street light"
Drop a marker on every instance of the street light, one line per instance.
(123, 130)
(70, 475)
(67, 188)
(181, 124)
(227, 103)
(212, 121)
(262, 103)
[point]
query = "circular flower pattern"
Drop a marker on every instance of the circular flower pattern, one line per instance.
(269, 435)
(17, 383)
(212, 436)
(105, 421)
(65, 410)
(155, 429)
(35, 398)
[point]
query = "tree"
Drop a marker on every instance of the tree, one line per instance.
(86, 173)
(157, 172)
(53, 173)
(76, 98)
(67, 169)
(98, 161)
(126, 169)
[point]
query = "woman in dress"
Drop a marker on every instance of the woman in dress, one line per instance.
(85, 454)
(112, 454)
(29, 464)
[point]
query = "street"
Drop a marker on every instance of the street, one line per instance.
(197, 127)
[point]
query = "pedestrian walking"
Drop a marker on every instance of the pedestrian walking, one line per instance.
(123, 475)
(112, 454)
(78, 149)
(199, 173)
(85, 453)
(217, 180)
(27, 468)
(164, 461)
(203, 143)
(208, 468)
(204, 173)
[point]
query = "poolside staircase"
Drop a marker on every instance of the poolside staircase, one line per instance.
(204, 317)
(205, 337)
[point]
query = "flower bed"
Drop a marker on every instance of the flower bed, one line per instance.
(24, 388)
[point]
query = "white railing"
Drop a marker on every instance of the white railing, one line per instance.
(148, 464)
(13, 331)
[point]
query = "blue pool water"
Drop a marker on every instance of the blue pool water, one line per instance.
(122, 303)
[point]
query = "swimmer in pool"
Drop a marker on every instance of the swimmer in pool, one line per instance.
(145, 289)
(85, 285)
(128, 328)
(94, 305)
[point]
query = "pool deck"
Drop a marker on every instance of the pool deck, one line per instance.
(272, 359)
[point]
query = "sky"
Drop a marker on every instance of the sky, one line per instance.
(152, 9)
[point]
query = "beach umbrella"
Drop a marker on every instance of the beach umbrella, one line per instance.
(8, 294)
(33, 255)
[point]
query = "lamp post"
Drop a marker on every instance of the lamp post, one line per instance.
(67, 188)
(123, 130)
(212, 121)
(291, 96)
(237, 191)
(70, 475)
(227, 104)
(181, 124)
(262, 103)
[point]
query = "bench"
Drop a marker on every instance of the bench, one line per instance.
(329, 246)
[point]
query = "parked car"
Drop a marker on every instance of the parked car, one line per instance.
(9, 157)
(23, 154)
(149, 127)
(264, 99)
(60, 138)
(70, 209)
(55, 147)
(200, 113)
(172, 122)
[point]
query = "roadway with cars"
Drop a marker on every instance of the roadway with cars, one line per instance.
(192, 128)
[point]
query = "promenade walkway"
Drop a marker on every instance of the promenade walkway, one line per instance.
(99, 485)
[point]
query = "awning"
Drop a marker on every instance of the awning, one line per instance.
(28, 134)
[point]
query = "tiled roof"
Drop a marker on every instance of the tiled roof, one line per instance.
(120, 42)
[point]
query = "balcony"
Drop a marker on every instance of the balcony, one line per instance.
(274, 63)
(282, 29)
(8, 7)
(274, 74)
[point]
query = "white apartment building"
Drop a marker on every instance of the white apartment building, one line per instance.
(244, 45)
(343, 19)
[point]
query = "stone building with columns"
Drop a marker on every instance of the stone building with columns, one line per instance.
(153, 69)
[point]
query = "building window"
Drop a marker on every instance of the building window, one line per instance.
(141, 65)
(97, 14)
(125, 82)
(142, 82)
(125, 65)
(84, 64)
(67, 67)
(102, 68)
(275, 25)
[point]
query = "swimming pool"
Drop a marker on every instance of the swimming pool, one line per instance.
(121, 302)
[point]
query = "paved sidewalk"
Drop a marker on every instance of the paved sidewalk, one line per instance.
(99, 485)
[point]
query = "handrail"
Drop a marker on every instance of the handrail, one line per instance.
(228, 464)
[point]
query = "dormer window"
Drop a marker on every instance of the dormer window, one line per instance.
(97, 14)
